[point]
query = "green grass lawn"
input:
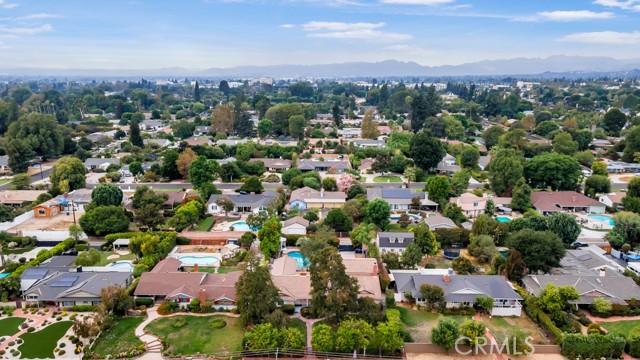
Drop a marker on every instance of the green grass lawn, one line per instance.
(412, 317)
(228, 269)
(104, 261)
(205, 224)
(300, 325)
(397, 227)
(387, 179)
(620, 327)
(120, 338)
(40, 344)
(195, 335)
(18, 251)
(4, 181)
(9, 326)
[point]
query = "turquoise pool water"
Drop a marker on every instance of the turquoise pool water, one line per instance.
(301, 261)
(242, 226)
(4, 275)
(200, 260)
(397, 217)
(503, 219)
(603, 218)
(122, 264)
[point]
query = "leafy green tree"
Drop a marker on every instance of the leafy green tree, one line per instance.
(104, 220)
(474, 331)
(264, 128)
(280, 115)
(41, 133)
(563, 144)
(106, 194)
(253, 185)
(613, 121)
(469, 157)
(555, 300)
(565, 226)
(256, 295)
(626, 229)
(67, 174)
(505, 169)
(297, 124)
(329, 184)
(426, 151)
(521, 196)
(269, 236)
(333, 293)
(454, 212)
(490, 207)
(20, 155)
(135, 136)
(169, 167)
(498, 264)
(597, 184)
(20, 182)
(463, 266)
(202, 172)
(483, 248)
(338, 220)
(411, 256)
(446, 333)
(600, 168)
(546, 127)
(460, 181)
(389, 337)
(541, 250)
(433, 295)
(438, 188)
(291, 338)
(557, 171)
(353, 335)
(147, 207)
(378, 213)
(492, 135)
(115, 300)
(247, 239)
(88, 258)
(262, 336)
(426, 240)
(515, 266)
(7, 213)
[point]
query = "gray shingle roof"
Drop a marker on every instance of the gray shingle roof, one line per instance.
(616, 289)
(395, 239)
(248, 200)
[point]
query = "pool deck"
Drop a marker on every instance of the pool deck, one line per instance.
(591, 223)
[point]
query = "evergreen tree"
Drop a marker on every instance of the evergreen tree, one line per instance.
(134, 134)
(334, 294)
(256, 295)
(335, 111)
(196, 92)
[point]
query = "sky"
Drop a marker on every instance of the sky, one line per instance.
(200, 34)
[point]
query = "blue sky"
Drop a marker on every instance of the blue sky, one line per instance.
(145, 34)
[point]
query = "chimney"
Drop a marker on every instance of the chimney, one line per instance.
(450, 271)
(603, 272)
(375, 268)
(446, 279)
(195, 267)
(202, 296)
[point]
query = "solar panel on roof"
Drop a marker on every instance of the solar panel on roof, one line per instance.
(34, 273)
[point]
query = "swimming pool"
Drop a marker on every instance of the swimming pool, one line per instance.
(200, 260)
(4, 275)
(301, 261)
(242, 226)
(503, 219)
(603, 218)
(122, 264)
(396, 217)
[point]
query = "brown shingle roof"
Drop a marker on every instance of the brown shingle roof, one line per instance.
(549, 201)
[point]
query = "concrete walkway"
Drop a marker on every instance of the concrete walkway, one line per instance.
(38, 320)
(490, 337)
(310, 323)
(610, 319)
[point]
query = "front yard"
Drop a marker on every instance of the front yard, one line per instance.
(118, 339)
(621, 327)
(387, 179)
(9, 326)
(186, 334)
(40, 344)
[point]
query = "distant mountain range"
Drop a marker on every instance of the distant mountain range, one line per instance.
(391, 68)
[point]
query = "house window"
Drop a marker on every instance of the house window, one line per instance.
(401, 240)
(32, 297)
(42, 212)
(475, 204)
(392, 240)
(68, 303)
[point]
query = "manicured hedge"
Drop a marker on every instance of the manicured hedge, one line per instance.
(593, 346)
(144, 301)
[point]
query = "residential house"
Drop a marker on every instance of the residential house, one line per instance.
(161, 143)
(483, 162)
(211, 238)
(401, 199)
(297, 225)
(274, 165)
(548, 202)
(294, 284)
(18, 198)
(448, 166)
(369, 143)
(166, 283)
(350, 133)
(100, 163)
(151, 125)
(366, 165)
(588, 260)
(439, 222)
(194, 141)
(617, 289)
(471, 205)
(231, 142)
(460, 290)
(394, 242)
(57, 281)
(4, 164)
(202, 130)
(612, 200)
(308, 198)
(243, 203)
(47, 209)
(335, 166)
(174, 198)
(226, 161)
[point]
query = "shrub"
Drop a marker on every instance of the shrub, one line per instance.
(81, 308)
(2, 352)
(144, 302)
(592, 346)
(463, 311)
(62, 352)
(80, 247)
(11, 343)
(167, 308)
(30, 329)
(179, 322)
(218, 324)
(633, 342)
(288, 309)
(62, 345)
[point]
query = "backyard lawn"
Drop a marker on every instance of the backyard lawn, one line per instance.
(620, 327)
(205, 224)
(387, 179)
(104, 261)
(40, 344)
(507, 327)
(119, 338)
(9, 326)
(194, 334)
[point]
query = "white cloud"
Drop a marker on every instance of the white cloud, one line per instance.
(352, 31)
(566, 16)
(26, 30)
(417, 2)
(4, 4)
(287, 26)
(604, 37)
(633, 5)
(38, 16)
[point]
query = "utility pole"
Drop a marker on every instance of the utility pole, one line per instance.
(73, 209)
